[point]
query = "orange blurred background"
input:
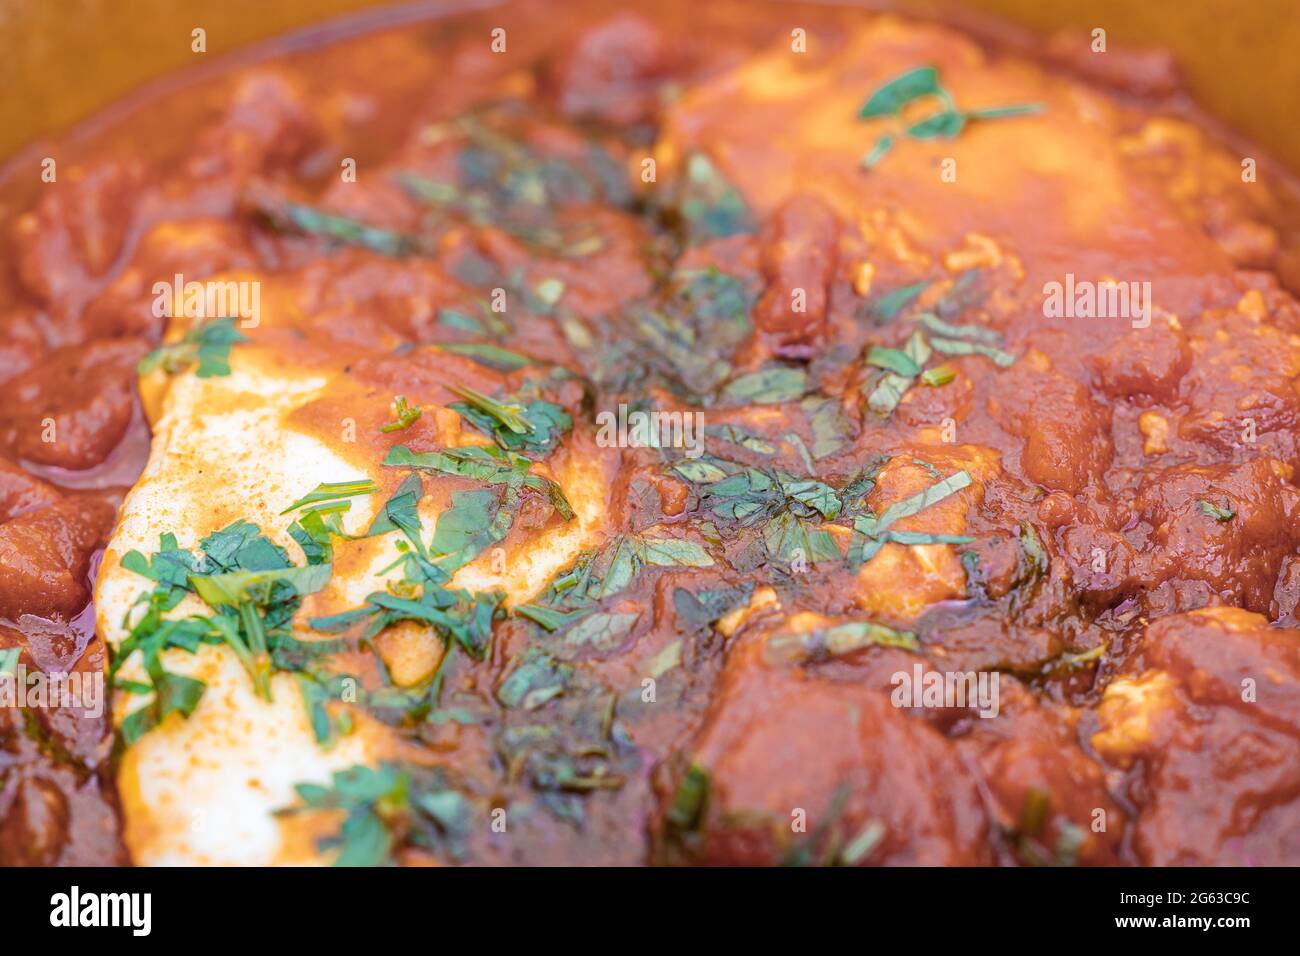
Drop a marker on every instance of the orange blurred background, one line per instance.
(60, 60)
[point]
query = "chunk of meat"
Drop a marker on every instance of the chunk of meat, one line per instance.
(193, 249)
(798, 258)
(1193, 539)
(1208, 731)
(779, 741)
(45, 556)
(370, 299)
(23, 344)
(76, 232)
(73, 408)
(21, 492)
(1241, 390)
(1144, 363)
(613, 73)
(1048, 795)
(1066, 434)
(267, 125)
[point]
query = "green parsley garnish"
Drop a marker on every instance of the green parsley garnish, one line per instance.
(208, 345)
(789, 509)
(872, 532)
(603, 573)
(495, 357)
(836, 640)
(948, 123)
(514, 426)
(901, 369)
(385, 805)
(298, 217)
(253, 590)
(407, 415)
(1208, 507)
(938, 376)
(892, 303)
(483, 463)
(333, 491)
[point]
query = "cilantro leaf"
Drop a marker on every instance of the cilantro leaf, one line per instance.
(407, 415)
(483, 463)
(872, 532)
(894, 95)
(208, 345)
(513, 425)
(1216, 512)
(333, 491)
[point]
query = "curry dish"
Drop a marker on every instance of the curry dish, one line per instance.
(716, 434)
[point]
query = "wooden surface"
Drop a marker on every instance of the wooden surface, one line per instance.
(61, 60)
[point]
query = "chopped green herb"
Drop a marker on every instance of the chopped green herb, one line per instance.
(839, 639)
(919, 502)
(514, 425)
(506, 414)
(860, 847)
(470, 524)
(769, 386)
(947, 123)
(483, 464)
(693, 330)
(254, 591)
(789, 537)
(550, 291)
(298, 217)
(601, 574)
(234, 588)
(536, 678)
(1216, 512)
(734, 434)
(332, 491)
(602, 631)
(407, 415)
(908, 86)
(399, 512)
(977, 333)
(889, 305)
(503, 360)
(685, 815)
(548, 618)
(959, 347)
(209, 345)
(789, 508)
(385, 805)
(893, 360)
(943, 125)
(831, 429)
(938, 376)
(710, 205)
(888, 389)
(665, 660)
(878, 152)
